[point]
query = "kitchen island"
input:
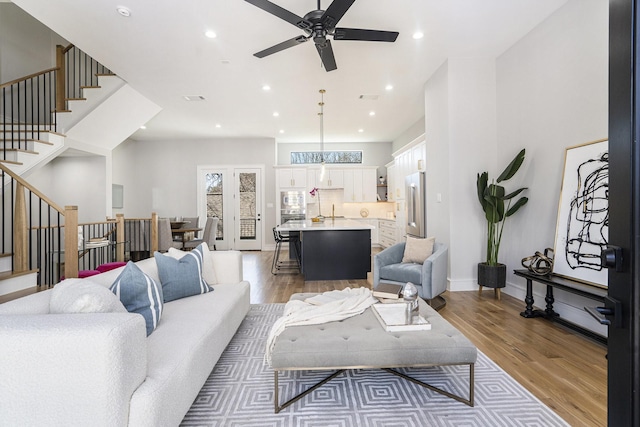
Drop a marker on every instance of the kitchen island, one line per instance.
(336, 249)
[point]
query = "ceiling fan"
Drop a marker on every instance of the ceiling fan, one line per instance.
(318, 24)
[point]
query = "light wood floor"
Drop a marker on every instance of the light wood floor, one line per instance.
(561, 368)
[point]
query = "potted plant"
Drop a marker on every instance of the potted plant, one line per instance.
(497, 206)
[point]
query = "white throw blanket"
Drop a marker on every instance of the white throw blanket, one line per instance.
(341, 305)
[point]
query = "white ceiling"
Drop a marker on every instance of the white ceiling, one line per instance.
(162, 52)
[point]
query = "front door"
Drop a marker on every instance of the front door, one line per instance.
(624, 213)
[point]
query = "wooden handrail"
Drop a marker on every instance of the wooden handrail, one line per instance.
(68, 48)
(31, 188)
(30, 76)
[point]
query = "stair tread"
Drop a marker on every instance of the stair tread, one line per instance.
(34, 130)
(21, 150)
(39, 141)
(10, 274)
(19, 294)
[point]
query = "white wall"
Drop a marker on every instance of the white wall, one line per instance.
(414, 131)
(26, 46)
(437, 161)
(76, 181)
(161, 175)
(460, 114)
(547, 92)
(552, 94)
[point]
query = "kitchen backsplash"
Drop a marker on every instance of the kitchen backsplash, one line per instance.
(334, 198)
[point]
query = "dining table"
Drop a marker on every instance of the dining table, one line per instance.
(182, 232)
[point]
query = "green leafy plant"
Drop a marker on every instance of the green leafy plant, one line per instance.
(497, 204)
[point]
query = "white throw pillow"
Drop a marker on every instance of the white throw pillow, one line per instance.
(208, 273)
(417, 250)
(83, 296)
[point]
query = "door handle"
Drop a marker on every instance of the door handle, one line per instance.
(610, 314)
(611, 257)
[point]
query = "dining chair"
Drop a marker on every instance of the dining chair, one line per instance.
(208, 236)
(165, 237)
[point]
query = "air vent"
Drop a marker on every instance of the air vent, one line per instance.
(193, 97)
(369, 97)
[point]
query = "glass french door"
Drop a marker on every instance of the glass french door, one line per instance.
(248, 213)
(234, 195)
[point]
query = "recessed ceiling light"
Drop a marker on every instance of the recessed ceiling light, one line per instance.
(281, 130)
(266, 88)
(194, 97)
(418, 35)
(210, 34)
(218, 125)
(143, 127)
(388, 87)
(276, 114)
(123, 11)
(372, 113)
(360, 130)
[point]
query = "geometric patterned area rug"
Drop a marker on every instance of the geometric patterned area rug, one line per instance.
(239, 392)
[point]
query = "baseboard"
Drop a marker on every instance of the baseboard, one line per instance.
(462, 285)
(570, 307)
(574, 313)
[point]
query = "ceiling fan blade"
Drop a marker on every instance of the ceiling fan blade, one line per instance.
(366, 35)
(326, 55)
(281, 13)
(335, 12)
(281, 46)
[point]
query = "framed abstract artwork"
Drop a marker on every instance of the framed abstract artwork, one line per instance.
(582, 230)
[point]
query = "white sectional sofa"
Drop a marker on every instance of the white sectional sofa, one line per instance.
(101, 369)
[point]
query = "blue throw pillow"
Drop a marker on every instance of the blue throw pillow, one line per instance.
(140, 294)
(182, 277)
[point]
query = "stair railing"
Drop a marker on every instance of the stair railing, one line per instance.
(43, 237)
(26, 109)
(77, 71)
(29, 104)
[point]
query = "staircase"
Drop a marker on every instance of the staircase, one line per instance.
(78, 104)
(81, 105)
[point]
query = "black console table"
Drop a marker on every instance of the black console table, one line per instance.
(567, 285)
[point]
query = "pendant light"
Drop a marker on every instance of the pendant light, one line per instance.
(321, 114)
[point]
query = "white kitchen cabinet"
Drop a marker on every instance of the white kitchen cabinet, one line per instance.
(391, 182)
(360, 185)
(386, 232)
(401, 221)
(292, 178)
(410, 160)
(418, 157)
(333, 178)
(403, 165)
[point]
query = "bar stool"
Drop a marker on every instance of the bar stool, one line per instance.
(288, 264)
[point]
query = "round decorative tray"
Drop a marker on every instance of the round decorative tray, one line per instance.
(364, 212)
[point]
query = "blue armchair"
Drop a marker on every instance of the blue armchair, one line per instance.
(430, 278)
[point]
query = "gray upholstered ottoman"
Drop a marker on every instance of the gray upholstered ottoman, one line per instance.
(361, 342)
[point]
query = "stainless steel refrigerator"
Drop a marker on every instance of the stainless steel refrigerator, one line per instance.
(416, 204)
